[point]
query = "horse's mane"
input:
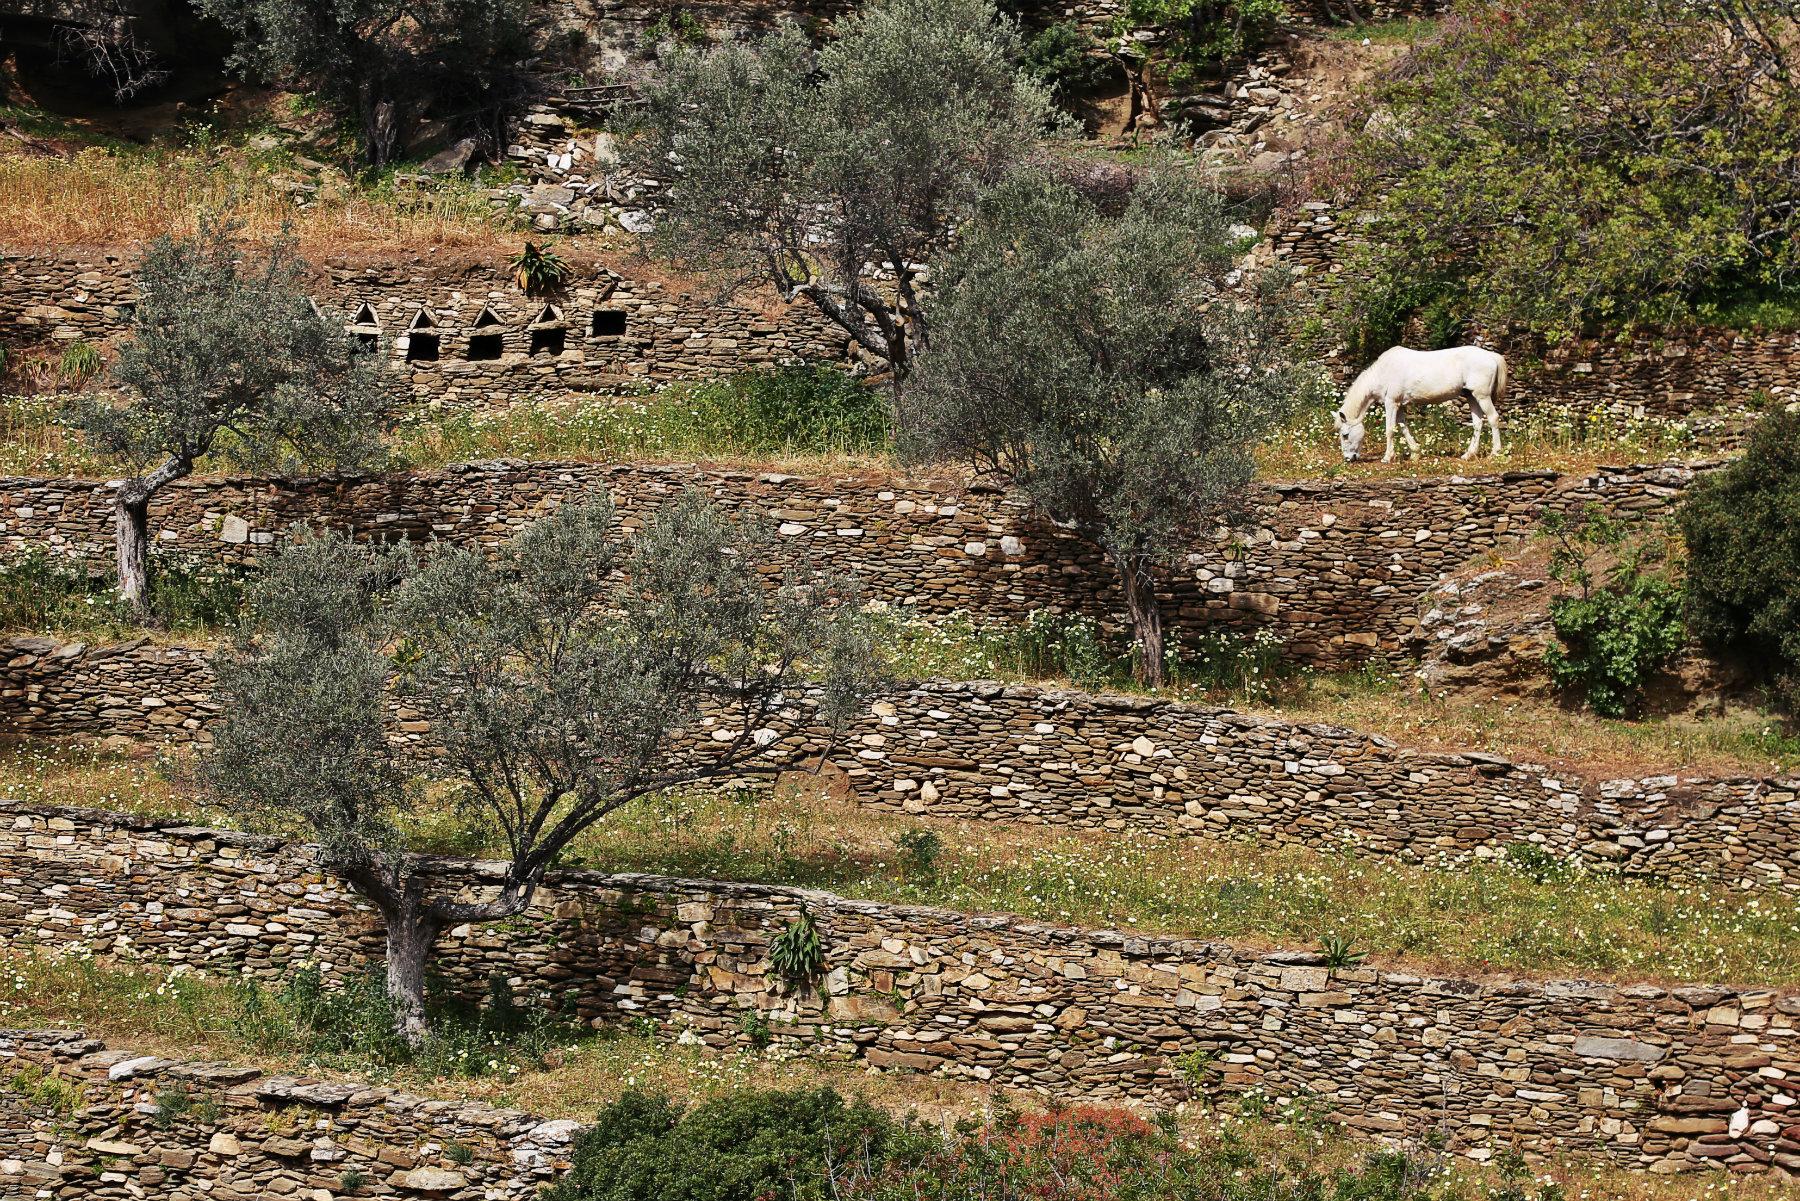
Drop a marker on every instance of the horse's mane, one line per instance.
(1356, 397)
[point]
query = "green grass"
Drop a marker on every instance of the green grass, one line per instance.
(796, 412)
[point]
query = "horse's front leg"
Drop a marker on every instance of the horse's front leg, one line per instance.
(1391, 410)
(1412, 443)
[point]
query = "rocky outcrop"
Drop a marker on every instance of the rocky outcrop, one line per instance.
(80, 1119)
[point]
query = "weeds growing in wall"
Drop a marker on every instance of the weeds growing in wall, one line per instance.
(40, 591)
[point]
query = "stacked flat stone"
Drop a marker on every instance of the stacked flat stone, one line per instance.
(1335, 570)
(1645, 1076)
(243, 1133)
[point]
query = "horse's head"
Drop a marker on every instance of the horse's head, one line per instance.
(1349, 433)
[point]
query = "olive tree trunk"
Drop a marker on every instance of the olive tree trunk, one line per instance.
(414, 919)
(131, 532)
(1145, 614)
(411, 934)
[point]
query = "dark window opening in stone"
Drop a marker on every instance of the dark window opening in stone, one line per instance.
(365, 327)
(486, 342)
(422, 344)
(548, 340)
(607, 323)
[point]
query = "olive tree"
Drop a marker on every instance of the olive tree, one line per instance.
(387, 63)
(227, 357)
(570, 673)
(1107, 368)
(833, 175)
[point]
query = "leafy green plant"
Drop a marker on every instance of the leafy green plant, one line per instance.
(460, 1154)
(919, 850)
(352, 1179)
(750, 1144)
(1065, 57)
(1602, 225)
(796, 954)
(1743, 547)
(1337, 951)
(1612, 635)
(1197, 1066)
(755, 1027)
(539, 269)
(80, 361)
(1210, 31)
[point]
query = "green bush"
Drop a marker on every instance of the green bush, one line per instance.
(1613, 635)
(1207, 31)
(1061, 56)
(747, 1146)
(1510, 161)
(1742, 529)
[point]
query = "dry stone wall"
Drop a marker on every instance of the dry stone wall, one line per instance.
(458, 329)
(988, 752)
(1646, 1076)
(245, 1133)
(1669, 373)
(1336, 570)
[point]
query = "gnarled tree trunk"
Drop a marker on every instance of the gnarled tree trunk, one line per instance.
(131, 534)
(411, 933)
(1146, 617)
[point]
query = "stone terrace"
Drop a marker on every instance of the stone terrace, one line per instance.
(1337, 570)
(1665, 1079)
(990, 752)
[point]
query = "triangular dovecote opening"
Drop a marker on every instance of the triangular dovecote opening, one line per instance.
(365, 327)
(549, 333)
(422, 340)
(485, 340)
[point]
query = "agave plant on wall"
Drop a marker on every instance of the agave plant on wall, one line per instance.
(539, 269)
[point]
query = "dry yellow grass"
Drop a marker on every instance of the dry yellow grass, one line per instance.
(102, 197)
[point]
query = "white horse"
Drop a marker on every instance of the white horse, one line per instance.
(1401, 377)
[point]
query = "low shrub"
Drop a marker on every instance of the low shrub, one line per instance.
(1742, 530)
(747, 1146)
(808, 1146)
(814, 410)
(1612, 635)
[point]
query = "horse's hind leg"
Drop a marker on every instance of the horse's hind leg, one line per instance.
(1484, 407)
(1474, 429)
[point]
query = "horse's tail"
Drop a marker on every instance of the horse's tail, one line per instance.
(1499, 381)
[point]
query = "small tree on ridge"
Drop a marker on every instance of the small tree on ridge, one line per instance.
(227, 358)
(832, 176)
(572, 673)
(1103, 367)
